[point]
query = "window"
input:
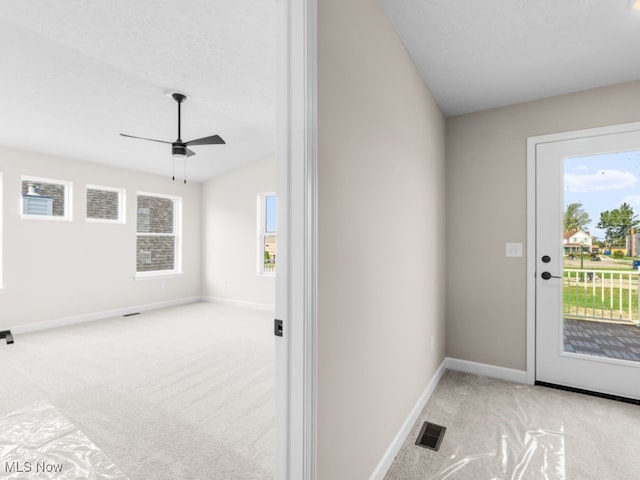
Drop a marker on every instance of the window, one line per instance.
(105, 204)
(158, 234)
(267, 233)
(45, 198)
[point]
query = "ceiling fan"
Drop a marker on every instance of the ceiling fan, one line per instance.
(179, 149)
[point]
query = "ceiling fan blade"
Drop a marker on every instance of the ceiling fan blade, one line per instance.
(212, 140)
(190, 153)
(142, 138)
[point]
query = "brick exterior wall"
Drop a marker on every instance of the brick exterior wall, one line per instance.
(102, 204)
(52, 190)
(155, 215)
(154, 253)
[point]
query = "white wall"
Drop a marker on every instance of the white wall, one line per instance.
(230, 234)
(486, 207)
(380, 237)
(55, 269)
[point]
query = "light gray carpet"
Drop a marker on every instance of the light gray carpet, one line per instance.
(500, 430)
(178, 393)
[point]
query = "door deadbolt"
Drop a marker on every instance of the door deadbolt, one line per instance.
(546, 259)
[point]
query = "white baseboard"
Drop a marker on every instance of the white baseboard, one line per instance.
(88, 317)
(502, 373)
(241, 303)
(385, 463)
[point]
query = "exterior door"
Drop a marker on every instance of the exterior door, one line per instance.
(587, 330)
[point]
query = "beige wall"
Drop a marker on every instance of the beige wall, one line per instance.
(486, 207)
(57, 269)
(380, 237)
(230, 234)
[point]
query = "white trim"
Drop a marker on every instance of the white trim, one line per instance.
(532, 143)
(493, 371)
(1, 233)
(296, 278)
(155, 274)
(68, 199)
(387, 459)
(270, 275)
(122, 201)
(585, 133)
(241, 303)
(89, 317)
(531, 262)
(103, 220)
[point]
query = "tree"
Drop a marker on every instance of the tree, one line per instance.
(617, 224)
(575, 217)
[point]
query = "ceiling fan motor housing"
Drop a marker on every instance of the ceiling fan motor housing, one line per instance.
(179, 97)
(178, 149)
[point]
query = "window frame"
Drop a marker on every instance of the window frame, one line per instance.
(68, 199)
(177, 234)
(1, 232)
(261, 218)
(121, 204)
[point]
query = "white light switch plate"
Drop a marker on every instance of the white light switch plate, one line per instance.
(513, 250)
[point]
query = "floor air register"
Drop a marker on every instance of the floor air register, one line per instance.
(7, 335)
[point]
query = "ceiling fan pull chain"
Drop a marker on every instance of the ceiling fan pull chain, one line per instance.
(174, 169)
(185, 171)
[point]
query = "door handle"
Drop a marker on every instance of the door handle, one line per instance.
(547, 276)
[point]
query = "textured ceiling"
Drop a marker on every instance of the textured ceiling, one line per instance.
(476, 55)
(76, 73)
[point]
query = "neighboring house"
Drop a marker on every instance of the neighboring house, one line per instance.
(576, 241)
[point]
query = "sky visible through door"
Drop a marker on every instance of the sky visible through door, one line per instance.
(601, 183)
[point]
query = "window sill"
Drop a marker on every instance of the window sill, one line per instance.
(48, 218)
(155, 275)
(102, 220)
(266, 275)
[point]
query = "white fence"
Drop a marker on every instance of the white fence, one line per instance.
(601, 295)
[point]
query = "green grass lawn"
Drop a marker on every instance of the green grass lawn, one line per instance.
(580, 300)
(583, 302)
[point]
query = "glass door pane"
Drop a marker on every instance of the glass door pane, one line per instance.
(601, 263)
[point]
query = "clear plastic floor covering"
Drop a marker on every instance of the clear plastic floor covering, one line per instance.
(37, 442)
(502, 431)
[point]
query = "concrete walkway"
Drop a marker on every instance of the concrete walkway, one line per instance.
(602, 339)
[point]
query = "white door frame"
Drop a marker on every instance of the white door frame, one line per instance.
(296, 278)
(532, 143)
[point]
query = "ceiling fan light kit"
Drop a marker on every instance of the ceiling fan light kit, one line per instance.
(180, 150)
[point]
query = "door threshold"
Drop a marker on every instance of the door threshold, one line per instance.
(608, 396)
